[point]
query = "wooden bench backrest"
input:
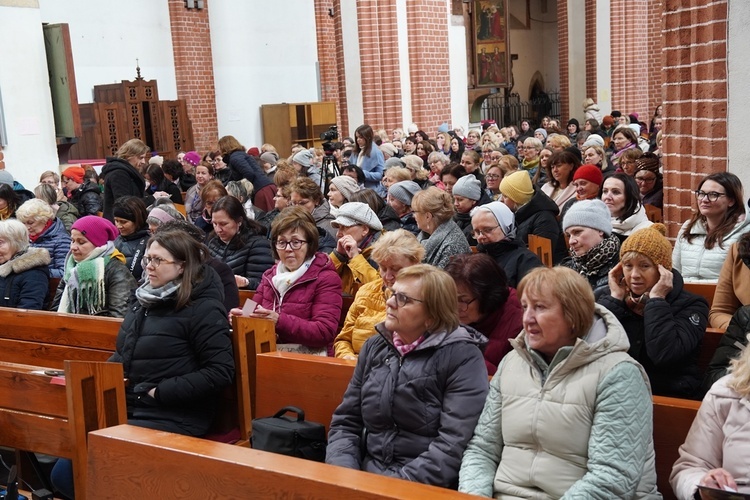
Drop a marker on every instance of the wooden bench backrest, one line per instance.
(40, 416)
(705, 290)
(47, 338)
(711, 339)
(542, 247)
(672, 420)
(316, 384)
(143, 463)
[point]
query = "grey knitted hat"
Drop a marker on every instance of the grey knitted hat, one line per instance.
(589, 213)
(404, 191)
(346, 186)
(468, 186)
(353, 213)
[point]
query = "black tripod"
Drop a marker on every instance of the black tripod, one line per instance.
(329, 170)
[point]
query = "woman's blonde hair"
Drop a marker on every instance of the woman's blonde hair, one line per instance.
(560, 141)
(394, 243)
(35, 210)
(399, 174)
(740, 372)
(133, 147)
(569, 288)
(436, 201)
(509, 163)
(439, 295)
(15, 233)
(534, 142)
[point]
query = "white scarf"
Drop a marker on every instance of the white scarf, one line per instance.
(284, 279)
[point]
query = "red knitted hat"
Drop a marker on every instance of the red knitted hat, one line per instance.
(590, 173)
(76, 173)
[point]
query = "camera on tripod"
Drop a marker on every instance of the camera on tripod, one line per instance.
(331, 134)
(330, 167)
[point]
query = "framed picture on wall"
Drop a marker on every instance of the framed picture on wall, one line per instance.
(492, 55)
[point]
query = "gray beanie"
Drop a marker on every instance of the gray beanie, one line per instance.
(394, 162)
(589, 213)
(6, 178)
(541, 131)
(353, 213)
(593, 140)
(346, 186)
(304, 158)
(269, 157)
(469, 187)
(505, 218)
(404, 191)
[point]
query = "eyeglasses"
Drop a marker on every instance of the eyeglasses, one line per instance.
(492, 177)
(483, 232)
(464, 305)
(299, 203)
(645, 179)
(712, 196)
(295, 244)
(401, 298)
(155, 261)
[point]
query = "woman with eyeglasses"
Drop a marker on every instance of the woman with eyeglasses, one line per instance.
(390, 424)
(301, 294)
(395, 250)
(96, 281)
(487, 303)
(305, 193)
(703, 242)
(437, 161)
(649, 180)
(495, 173)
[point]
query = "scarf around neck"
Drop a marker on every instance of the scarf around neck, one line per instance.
(149, 296)
(593, 261)
(530, 165)
(85, 289)
(284, 279)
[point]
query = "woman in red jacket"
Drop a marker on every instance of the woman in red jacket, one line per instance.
(487, 303)
(301, 294)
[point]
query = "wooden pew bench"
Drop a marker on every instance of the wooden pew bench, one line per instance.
(672, 420)
(347, 303)
(143, 463)
(40, 416)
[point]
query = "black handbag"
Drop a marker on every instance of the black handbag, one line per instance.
(292, 437)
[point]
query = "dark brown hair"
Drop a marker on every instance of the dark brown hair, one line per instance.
(188, 251)
(733, 187)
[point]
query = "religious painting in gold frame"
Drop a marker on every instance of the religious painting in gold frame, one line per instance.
(492, 58)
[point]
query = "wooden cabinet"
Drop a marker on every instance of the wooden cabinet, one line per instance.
(302, 123)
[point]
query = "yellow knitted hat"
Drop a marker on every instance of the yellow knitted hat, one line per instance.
(652, 243)
(517, 186)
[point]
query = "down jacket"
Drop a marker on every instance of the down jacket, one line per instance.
(133, 247)
(694, 261)
(247, 254)
(24, 280)
(56, 240)
(411, 417)
(666, 340)
(120, 179)
(539, 217)
(367, 310)
(719, 437)
(357, 271)
(310, 312)
(87, 199)
(594, 393)
(186, 354)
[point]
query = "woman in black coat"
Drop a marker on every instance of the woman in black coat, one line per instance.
(243, 166)
(130, 219)
(24, 271)
(239, 242)
(157, 183)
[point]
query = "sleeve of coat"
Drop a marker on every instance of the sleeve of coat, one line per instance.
(377, 164)
(259, 260)
(91, 203)
(615, 306)
(669, 336)
(119, 284)
(346, 425)
(677, 252)
(546, 226)
(701, 451)
(342, 346)
(241, 163)
(58, 253)
(362, 270)
(482, 456)
(730, 346)
(212, 347)
(725, 302)
(464, 397)
(321, 328)
(621, 434)
(34, 285)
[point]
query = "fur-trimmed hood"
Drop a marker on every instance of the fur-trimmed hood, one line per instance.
(23, 261)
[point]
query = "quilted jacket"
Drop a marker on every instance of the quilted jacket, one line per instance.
(596, 393)
(355, 272)
(367, 310)
(694, 261)
(248, 255)
(56, 240)
(24, 280)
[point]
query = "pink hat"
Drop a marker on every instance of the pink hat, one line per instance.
(192, 158)
(97, 230)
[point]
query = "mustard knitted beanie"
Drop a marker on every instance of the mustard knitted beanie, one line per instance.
(652, 243)
(517, 186)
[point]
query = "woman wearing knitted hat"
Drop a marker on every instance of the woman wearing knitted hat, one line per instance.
(535, 212)
(620, 194)
(561, 168)
(82, 193)
(594, 249)
(587, 182)
(96, 281)
(341, 190)
(665, 323)
(466, 195)
(357, 228)
(495, 232)
(649, 180)
(441, 237)
(399, 198)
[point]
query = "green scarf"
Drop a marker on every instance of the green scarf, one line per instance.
(85, 290)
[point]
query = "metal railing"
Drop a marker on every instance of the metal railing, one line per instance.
(513, 110)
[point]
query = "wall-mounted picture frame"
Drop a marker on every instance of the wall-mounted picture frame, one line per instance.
(491, 37)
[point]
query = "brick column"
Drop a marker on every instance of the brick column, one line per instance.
(427, 27)
(378, 49)
(330, 55)
(695, 101)
(194, 70)
(562, 51)
(591, 50)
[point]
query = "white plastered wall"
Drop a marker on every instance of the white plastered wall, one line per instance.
(350, 35)
(576, 58)
(738, 64)
(459, 80)
(603, 58)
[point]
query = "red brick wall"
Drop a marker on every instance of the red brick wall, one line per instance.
(655, 88)
(695, 101)
(591, 50)
(193, 61)
(330, 51)
(378, 51)
(631, 64)
(562, 46)
(427, 28)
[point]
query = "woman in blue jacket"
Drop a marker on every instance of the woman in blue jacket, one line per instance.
(46, 231)
(369, 158)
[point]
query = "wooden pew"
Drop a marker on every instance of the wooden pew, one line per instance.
(47, 338)
(542, 247)
(143, 463)
(40, 416)
(672, 420)
(316, 384)
(711, 339)
(705, 290)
